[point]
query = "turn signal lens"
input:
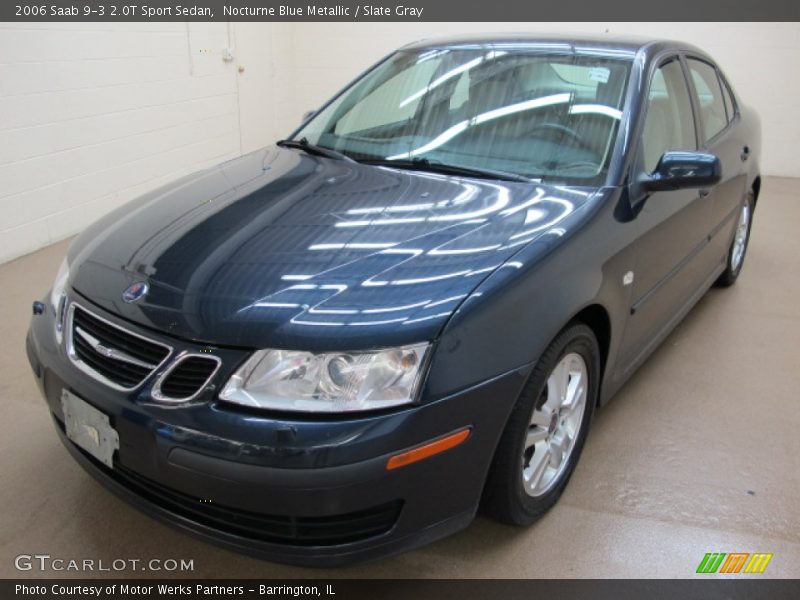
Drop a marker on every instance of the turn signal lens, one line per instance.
(427, 450)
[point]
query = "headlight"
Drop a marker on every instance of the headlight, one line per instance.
(58, 298)
(326, 383)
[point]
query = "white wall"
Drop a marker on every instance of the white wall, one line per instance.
(265, 83)
(92, 115)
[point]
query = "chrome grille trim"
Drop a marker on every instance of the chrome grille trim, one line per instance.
(105, 351)
(112, 353)
(161, 397)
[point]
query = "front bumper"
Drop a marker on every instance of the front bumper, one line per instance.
(309, 490)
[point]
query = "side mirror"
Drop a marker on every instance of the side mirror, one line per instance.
(679, 170)
(307, 116)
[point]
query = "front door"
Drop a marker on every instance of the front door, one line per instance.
(672, 225)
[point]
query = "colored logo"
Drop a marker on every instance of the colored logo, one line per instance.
(135, 292)
(734, 562)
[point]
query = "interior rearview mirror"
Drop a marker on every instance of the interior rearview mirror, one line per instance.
(681, 169)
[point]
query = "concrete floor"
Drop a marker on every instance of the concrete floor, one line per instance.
(699, 452)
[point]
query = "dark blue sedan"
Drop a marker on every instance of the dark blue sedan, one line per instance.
(344, 345)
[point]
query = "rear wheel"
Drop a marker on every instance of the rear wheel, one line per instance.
(546, 431)
(738, 248)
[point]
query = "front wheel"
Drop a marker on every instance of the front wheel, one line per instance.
(545, 433)
(738, 247)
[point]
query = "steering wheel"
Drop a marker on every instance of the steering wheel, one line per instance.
(557, 128)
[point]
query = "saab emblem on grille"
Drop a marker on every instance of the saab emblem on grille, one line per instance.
(107, 352)
(135, 292)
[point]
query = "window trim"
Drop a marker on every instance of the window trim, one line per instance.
(734, 102)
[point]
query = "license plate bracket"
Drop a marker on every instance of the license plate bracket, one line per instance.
(89, 428)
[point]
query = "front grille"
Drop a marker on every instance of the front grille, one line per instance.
(109, 353)
(280, 529)
(186, 378)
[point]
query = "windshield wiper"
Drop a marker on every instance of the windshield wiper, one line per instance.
(304, 144)
(426, 164)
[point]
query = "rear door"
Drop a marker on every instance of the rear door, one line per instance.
(720, 134)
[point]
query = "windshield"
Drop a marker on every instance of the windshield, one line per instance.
(546, 116)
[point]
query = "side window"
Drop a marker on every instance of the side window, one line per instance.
(709, 94)
(669, 122)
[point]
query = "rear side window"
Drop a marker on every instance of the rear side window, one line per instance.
(730, 107)
(669, 122)
(710, 97)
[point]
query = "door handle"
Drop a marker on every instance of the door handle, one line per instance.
(704, 193)
(745, 153)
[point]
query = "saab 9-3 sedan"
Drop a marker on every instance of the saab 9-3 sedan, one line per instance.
(345, 344)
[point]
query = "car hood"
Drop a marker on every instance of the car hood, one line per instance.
(279, 248)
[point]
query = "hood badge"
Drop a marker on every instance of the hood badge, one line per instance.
(136, 291)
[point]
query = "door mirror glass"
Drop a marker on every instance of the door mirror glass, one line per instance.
(679, 169)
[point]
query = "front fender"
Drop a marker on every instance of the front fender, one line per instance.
(509, 320)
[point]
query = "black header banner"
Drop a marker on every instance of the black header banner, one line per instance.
(397, 10)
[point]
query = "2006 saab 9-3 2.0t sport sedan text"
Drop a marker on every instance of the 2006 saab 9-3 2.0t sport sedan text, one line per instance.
(343, 345)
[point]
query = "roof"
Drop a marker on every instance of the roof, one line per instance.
(629, 44)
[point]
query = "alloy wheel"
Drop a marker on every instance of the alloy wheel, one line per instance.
(740, 239)
(555, 425)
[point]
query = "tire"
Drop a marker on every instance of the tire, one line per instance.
(736, 254)
(510, 494)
